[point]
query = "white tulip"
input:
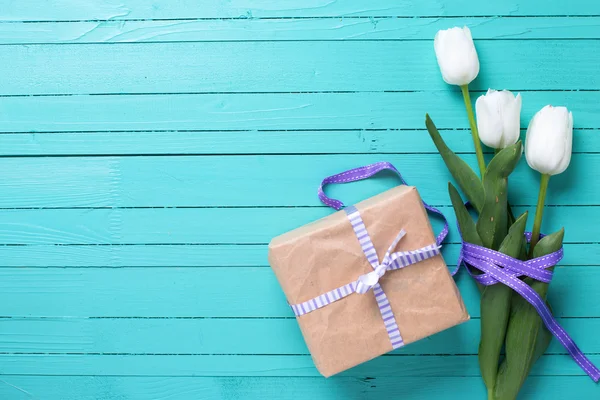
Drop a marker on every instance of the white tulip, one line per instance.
(550, 140)
(499, 118)
(456, 55)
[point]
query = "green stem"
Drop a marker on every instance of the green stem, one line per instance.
(539, 211)
(474, 132)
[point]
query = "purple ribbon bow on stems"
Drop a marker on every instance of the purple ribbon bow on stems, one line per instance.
(494, 266)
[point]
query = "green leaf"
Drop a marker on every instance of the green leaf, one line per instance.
(511, 220)
(525, 329)
(465, 177)
(467, 227)
(511, 216)
(495, 309)
(465, 222)
(549, 244)
(492, 224)
(511, 244)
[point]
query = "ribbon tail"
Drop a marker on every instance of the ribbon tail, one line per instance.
(400, 235)
(403, 259)
(459, 263)
(391, 326)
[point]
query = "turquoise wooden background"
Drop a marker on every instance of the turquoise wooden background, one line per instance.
(151, 149)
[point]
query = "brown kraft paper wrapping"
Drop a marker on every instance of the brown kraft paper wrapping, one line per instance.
(326, 254)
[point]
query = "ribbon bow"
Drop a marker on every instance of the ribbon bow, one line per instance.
(366, 282)
(370, 281)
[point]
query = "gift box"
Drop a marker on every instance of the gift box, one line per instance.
(366, 280)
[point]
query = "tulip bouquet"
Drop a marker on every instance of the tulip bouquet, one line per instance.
(508, 320)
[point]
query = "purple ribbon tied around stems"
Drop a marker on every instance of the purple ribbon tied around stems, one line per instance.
(494, 266)
(497, 268)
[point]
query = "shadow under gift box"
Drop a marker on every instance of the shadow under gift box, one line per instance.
(325, 254)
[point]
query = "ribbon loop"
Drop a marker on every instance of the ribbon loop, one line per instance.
(365, 172)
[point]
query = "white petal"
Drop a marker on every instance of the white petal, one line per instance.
(568, 146)
(549, 140)
(488, 122)
(456, 55)
(512, 121)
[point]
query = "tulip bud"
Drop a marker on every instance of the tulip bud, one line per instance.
(499, 118)
(550, 140)
(456, 55)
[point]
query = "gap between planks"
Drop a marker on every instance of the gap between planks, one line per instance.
(250, 18)
(234, 93)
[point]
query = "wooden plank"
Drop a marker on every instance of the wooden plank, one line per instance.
(20, 387)
(168, 113)
(286, 111)
(46, 256)
(241, 142)
(300, 66)
(206, 292)
(217, 225)
(223, 336)
(376, 28)
(248, 142)
(261, 365)
(284, 181)
(61, 10)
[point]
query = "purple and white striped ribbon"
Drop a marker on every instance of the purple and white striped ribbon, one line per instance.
(366, 282)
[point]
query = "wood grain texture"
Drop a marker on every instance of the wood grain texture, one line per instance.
(199, 142)
(203, 255)
(286, 29)
(216, 225)
(211, 67)
(217, 181)
(174, 292)
(264, 365)
(160, 336)
(21, 387)
(150, 150)
(61, 10)
(266, 111)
